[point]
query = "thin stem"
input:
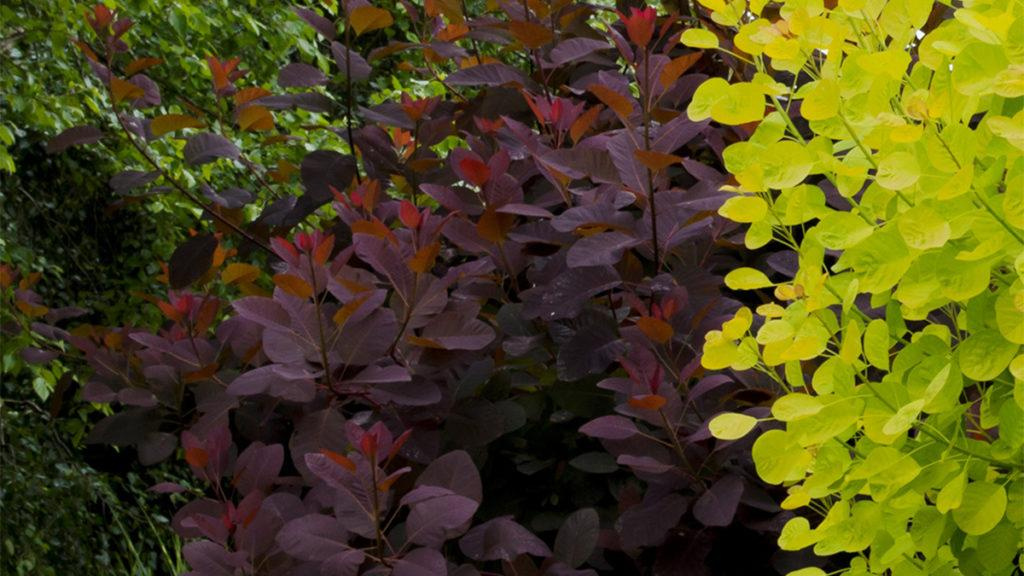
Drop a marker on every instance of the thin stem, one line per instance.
(645, 103)
(348, 92)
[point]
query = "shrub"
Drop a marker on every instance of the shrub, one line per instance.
(58, 513)
(526, 248)
(888, 159)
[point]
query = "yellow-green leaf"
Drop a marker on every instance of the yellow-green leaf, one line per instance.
(731, 426)
(699, 38)
(747, 279)
(981, 508)
(744, 209)
(876, 344)
(821, 101)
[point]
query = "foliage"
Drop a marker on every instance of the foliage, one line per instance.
(58, 514)
(95, 248)
(482, 277)
(887, 157)
(46, 92)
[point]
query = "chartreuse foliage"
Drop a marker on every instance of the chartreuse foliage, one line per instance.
(892, 166)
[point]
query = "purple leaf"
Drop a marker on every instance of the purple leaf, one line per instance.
(632, 173)
(258, 466)
(73, 137)
(298, 75)
(575, 49)
(501, 539)
(229, 198)
(33, 355)
(283, 346)
(312, 101)
(610, 428)
(595, 214)
(644, 464)
(648, 523)
(565, 296)
(315, 432)
(211, 559)
(350, 63)
(263, 311)
(562, 569)
(677, 132)
(156, 447)
(525, 210)
(454, 331)
(150, 91)
(322, 169)
(191, 260)
(344, 563)
(590, 350)
(437, 515)
(717, 506)
(494, 74)
(313, 537)
(577, 537)
(456, 472)
(381, 374)
(605, 248)
(128, 179)
(322, 25)
(421, 562)
(63, 313)
(406, 393)
(253, 382)
(167, 488)
(206, 147)
(136, 397)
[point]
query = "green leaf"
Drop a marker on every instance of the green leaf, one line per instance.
(876, 344)
(744, 209)
(739, 104)
(898, 171)
(922, 228)
(797, 534)
(796, 406)
(839, 230)
(747, 279)
(1010, 313)
(699, 38)
(711, 91)
(731, 426)
(943, 389)
(904, 418)
(952, 493)
(719, 352)
(981, 508)
(785, 164)
(976, 68)
(800, 204)
(779, 459)
(812, 571)
(985, 354)
(821, 101)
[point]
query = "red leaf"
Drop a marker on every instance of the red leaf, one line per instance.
(647, 401)
(409, 215)
(475, 171)
(196, 457)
